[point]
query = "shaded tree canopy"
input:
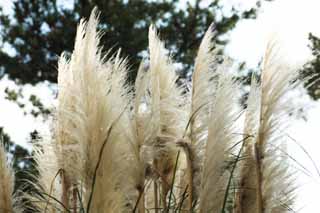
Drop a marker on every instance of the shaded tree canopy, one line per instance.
(21, 160)
(39, 31)
(312, 69)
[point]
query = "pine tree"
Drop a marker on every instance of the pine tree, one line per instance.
(40, 30)
(312, 69)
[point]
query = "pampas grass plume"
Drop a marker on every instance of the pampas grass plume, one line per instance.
(8, 200)
(156, 145)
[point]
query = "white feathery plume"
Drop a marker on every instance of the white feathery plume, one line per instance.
(164, 83)
(91, 102)
(135, 131)
(275, 190)
(108, 139)
(140, 134)
(246, 195)
(202, 91)
(168, 108)
(68, 123)
(49, 181)
(8, 200)
(145, 114)
(146, 129)
(220, 139)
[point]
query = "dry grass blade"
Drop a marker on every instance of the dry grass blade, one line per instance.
(307, 154)
(99, 161)
(172, 183)
(233, 169)
(220, 138)
(274, 187)
(168, 107)
(201, 95)
(246, 194)
(7, 198)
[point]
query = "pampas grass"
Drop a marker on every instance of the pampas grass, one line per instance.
(158, 146)
(274, 179)
(168, 106)
(8, 200)
(49, 179)
(201, 96)
(219, 141)
(246, 195)
(91, 104)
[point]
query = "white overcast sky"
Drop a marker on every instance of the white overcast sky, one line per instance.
(291, 21)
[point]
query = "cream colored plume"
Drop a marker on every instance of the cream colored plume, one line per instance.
(203, 88)
(168, 96)
(221, 136)
(168, 108)
(138, 136)
(245, 200)
(113, 144)
(49, 179)
(275, 190)
(146, 127)
(92, 100)
(145, 108)
(8, 200)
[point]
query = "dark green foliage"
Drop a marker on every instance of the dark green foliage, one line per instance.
(312, 69)
(39, 108)
(16, 96)
(40, 30)
(21, 160)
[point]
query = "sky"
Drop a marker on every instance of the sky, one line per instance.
(289, 21)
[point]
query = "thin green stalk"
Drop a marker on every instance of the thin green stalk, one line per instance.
(55, 199)
(51, 187)
(100, 158)
(230, 178)
(173, 179)
(184, 196)
(155, 190)
(80, 201)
